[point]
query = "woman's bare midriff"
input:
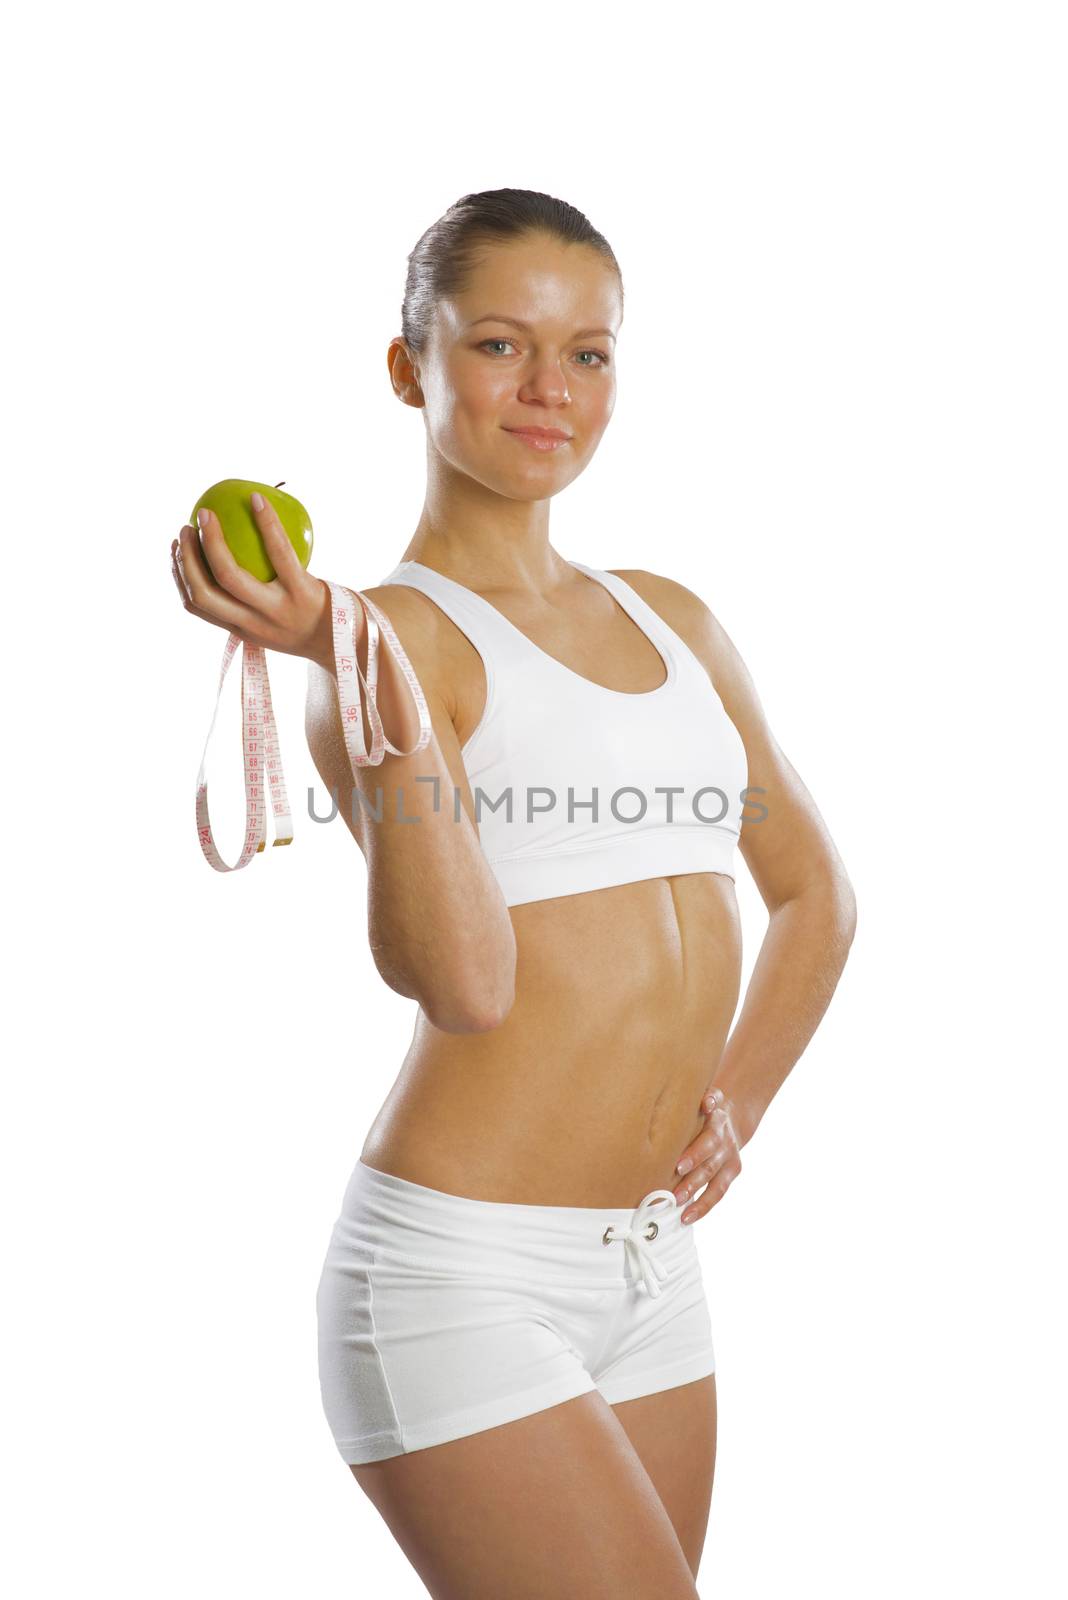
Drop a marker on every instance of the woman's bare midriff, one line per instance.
(590, 1089)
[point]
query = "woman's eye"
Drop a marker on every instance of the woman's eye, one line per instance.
(600, 354)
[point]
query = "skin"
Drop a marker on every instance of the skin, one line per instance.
(572, 1077)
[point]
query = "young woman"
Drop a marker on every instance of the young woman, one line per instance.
(515, 1345)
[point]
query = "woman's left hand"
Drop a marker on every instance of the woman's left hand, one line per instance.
(713, 1158)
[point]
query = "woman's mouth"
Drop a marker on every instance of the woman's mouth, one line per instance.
(537, 441)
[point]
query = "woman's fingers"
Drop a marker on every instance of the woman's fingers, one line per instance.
(192, 565)
(205, 599)
(713, 1158)
(701, 1160)
(227, 575)
(179, 581)
(715, 1135)
(289, 613)
(183, 588)
(284, 558)
(718, 1182)
(257, 593)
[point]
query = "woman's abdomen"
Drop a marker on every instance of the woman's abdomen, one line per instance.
(589, 1090)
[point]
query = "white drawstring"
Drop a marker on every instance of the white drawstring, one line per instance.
(637, 1246)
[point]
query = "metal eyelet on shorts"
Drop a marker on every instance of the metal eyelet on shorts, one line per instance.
(650, 1232)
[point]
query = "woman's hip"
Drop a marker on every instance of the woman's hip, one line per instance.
(437, 1312)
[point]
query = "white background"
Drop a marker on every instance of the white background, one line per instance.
(841, 421)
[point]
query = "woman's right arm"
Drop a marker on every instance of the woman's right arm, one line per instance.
(438, 926)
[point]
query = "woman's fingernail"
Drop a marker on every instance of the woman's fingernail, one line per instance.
(202, 518)
(257, 500)
(684, 1166)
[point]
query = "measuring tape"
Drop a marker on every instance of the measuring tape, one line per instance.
(259, 734)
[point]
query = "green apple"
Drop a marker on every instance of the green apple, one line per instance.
(231, 501)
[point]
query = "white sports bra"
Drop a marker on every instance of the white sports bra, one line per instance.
(576, 786)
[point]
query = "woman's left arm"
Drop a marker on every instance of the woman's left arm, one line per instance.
(796, 972)
(811, 907)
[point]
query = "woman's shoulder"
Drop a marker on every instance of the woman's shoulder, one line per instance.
(418, 623)
(688, 615)
(684, 611)
(423, 634)
(444, 661)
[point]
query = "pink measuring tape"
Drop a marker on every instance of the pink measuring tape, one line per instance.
(259, 734)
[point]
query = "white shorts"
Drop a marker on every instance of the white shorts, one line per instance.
(439, 1316)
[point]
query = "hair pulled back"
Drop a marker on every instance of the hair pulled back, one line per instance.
(441, 264)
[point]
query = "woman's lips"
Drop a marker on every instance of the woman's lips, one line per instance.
(537, 441)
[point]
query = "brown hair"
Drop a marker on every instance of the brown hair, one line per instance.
(442, 261)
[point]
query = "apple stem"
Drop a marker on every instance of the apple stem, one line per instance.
(279, 485)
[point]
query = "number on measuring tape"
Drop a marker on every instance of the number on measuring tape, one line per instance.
(259, 734)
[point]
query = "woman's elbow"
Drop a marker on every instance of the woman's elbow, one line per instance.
(845, 906)
(472, 1013)
(474, 1002)
(830, 893)
(849, 904)
(477, 994)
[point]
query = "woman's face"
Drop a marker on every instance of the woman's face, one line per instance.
(482, 376)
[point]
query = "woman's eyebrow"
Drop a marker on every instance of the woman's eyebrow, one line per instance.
(583, 333)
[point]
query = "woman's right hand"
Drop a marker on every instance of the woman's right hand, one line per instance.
(291, 613)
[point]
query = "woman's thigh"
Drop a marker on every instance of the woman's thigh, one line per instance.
(674, 1435)
(553, 1506)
